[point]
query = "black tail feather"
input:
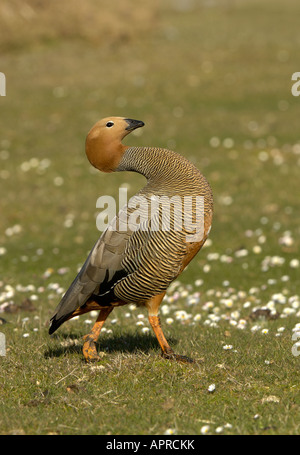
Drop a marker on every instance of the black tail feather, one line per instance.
(56, 323)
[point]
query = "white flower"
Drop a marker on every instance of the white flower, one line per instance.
(295, 304)
(254, 290)
(279, 298)
(214, 324)
(213, 256)
(226, 259)
(289, 311)
(205, 429)
(227, 302)
(208, 305)
(132, 307)
(277, 260)
(263, 156)
(211, 388)
(182, 315)
(286, 239)
(227, 347)
(235, 314)
(265, 331)
(261, 239)
(241, 253)
(170, 431)
(58, 181)
(271, 305)
(242, 324)
(227, 425)
(256, 249)
(192, 300)
(165, 309)
(184, 293)
(294, 263)
(214, 141)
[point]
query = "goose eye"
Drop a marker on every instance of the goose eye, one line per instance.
(110, 124)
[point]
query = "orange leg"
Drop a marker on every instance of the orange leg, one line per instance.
(89, 346)
(167, 351)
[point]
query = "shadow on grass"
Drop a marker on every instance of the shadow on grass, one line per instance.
(127, 343)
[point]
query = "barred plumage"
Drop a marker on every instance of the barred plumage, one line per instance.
(168, 174)
(138, 265)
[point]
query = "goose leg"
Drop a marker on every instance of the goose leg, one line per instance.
(167, 351)
(89, 346)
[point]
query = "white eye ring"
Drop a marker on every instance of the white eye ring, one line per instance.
(110, 124)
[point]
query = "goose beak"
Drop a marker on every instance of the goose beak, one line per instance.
(133, 124)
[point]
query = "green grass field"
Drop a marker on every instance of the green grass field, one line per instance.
(211, 80)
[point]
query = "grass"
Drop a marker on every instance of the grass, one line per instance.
(216, 88)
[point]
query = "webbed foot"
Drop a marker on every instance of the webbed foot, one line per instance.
(89, 350)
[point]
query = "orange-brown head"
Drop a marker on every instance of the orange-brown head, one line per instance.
(104, 146)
